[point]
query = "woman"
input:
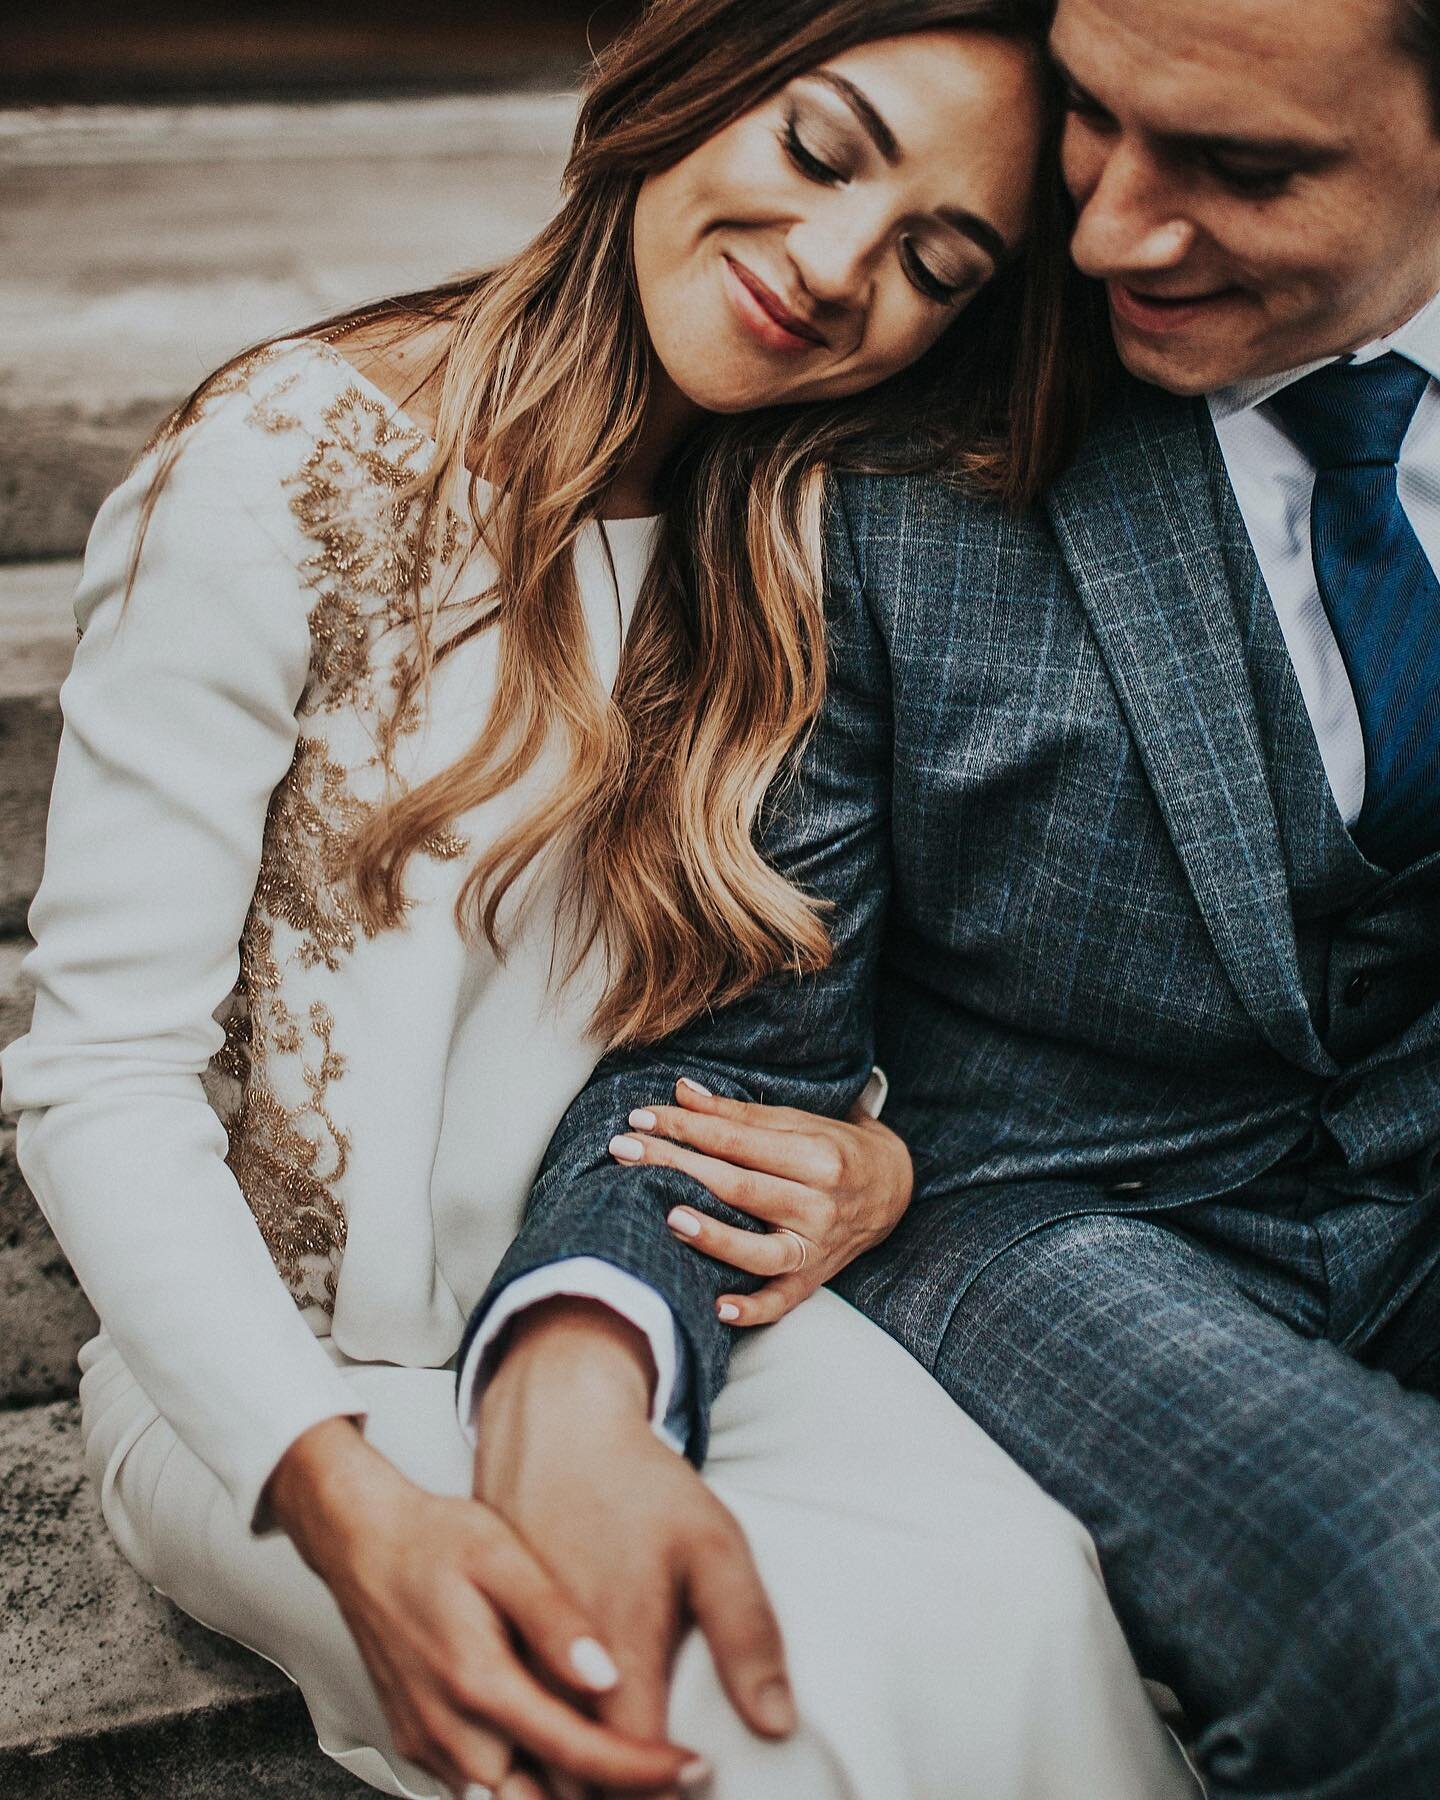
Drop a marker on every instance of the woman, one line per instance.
(433, 667)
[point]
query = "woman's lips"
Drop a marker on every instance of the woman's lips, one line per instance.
(764, 315)
(1157, 314)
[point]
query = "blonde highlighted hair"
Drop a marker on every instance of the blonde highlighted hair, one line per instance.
(544, 378)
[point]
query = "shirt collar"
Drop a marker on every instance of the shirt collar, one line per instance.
(1418, 339)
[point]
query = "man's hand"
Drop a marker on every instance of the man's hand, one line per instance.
(441, 1595)
(567, 1457)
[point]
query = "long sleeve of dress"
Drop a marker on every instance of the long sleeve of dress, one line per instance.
(180, 719)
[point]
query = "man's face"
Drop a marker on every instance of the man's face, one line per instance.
(1258, 181)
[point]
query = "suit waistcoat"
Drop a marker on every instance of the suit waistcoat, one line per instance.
(1368, 939)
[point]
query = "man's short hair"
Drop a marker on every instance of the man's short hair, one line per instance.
(1420, 35)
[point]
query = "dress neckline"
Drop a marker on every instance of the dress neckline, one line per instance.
(640, 526)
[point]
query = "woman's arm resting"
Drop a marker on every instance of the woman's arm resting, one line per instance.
(828, 1189)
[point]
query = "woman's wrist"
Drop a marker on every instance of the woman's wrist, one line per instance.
(322, 1484)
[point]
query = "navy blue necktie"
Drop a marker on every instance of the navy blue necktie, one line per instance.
(1378, 588)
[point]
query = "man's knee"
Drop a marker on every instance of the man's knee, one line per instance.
(1057, 1273)
(1344, 1683)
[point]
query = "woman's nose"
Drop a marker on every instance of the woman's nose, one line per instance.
(834, 258)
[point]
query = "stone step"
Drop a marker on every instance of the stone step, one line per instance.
(29, 738)
(16, 997)
(37, 640)
(44, 1317)
(166, 48)
(141, 246)
(106, 1690)
(258, 1750)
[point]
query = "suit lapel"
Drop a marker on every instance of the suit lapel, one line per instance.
(1135, 520)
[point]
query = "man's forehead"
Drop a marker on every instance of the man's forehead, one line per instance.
(1301, 58)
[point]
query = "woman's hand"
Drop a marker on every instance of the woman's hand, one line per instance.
(432, 1588)
(828, 1188)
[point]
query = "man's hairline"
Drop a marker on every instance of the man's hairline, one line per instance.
(1405, 39)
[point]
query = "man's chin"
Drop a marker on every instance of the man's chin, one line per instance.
(1184, 369)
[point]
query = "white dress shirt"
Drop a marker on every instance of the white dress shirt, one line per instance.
(1273, 482)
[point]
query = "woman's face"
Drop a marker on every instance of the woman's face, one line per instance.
(825, 239)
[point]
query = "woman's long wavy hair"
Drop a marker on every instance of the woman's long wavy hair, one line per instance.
(543, 382)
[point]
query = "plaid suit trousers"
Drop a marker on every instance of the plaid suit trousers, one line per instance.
(1241, 1400)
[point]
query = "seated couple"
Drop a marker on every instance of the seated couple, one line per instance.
(762, 631)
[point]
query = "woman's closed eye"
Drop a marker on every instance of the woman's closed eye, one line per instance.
(933, 286)
(821, 163)
(828, 167)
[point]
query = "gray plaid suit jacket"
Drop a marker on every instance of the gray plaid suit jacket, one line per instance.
(1039, 805)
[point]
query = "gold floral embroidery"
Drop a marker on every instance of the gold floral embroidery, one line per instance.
(264, 412)
(313, 819)
(231, 381)
(370, 548)
(339, 647)
(290, 1159)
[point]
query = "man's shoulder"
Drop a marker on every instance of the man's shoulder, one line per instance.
(885, 512)
(890, 492)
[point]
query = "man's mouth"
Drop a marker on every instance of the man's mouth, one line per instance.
(1156, 313)
(777, 325)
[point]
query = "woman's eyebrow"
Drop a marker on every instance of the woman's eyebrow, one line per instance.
(980, 231)
(860, 104)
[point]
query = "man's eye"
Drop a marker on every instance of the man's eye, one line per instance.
(1250, 184)
(1083, 106)
(806, 161)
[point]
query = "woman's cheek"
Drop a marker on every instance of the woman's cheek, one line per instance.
(890, 346)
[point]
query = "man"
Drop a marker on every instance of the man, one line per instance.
(1160, 975)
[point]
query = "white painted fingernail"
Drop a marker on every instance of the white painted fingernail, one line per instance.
(476, 1791)
(775, 1709)
(695, 1087)
(728, 1312)
(593, 1666)
(628, 1149)
(643, 1119)
(694, 1773)
(684, 1222)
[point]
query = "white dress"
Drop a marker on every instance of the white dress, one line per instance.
(285, 1156)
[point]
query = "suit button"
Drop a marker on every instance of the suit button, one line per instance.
(1355, 989)
(1127, 1187)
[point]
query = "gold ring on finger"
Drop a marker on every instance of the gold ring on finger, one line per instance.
(785, 1231)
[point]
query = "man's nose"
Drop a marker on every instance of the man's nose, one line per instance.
(1130, 221)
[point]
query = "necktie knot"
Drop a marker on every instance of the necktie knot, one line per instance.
(1348, 415)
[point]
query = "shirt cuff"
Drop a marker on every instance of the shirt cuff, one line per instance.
(590, 1278)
